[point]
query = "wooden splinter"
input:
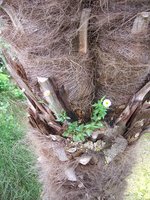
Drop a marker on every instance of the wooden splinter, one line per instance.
(38, 113)
(140, 25)
(134, 103)
(11, 66)
(50, 95)
(83, 31)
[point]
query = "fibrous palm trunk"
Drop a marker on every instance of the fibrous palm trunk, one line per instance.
(65, 55)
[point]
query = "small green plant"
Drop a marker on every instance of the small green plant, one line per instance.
(78, 132)
(62, 117)
(99, 110)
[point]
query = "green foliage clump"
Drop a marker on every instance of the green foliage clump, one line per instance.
(4, 82)
(77, 131)
(8, 89)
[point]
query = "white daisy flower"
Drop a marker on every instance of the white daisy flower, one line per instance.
(106, 103)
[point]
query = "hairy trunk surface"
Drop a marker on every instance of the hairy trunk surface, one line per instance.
(65, 55)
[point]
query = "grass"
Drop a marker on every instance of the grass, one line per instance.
(18, 179)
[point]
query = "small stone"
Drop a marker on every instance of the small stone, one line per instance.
(95, 135)
(60, 152)
(72, 150)
(85, 159)
(70, 173)
(118, 147)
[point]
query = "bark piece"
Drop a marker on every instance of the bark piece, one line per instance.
(83, 31)
(85, 159)
(140, 25)
(63, 97)
(39, 115)
(139, 122)
(134, 103)
(12, 68)
(38, 122)
(50, 95)
(60, 152)
(118, 147)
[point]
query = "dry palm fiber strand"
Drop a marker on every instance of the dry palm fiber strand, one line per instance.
(44, 36)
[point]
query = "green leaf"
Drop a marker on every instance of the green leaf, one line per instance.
(62, 117)
(82, 138)
(76, 138)
(66, 134)
(89, 132)
(102, 99)
(99, 125)
(80, 128)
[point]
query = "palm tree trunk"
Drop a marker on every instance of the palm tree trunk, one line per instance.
(67, 55)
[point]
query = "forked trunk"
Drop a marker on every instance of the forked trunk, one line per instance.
(65, 55)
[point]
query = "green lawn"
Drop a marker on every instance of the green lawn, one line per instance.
(18, 180)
